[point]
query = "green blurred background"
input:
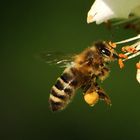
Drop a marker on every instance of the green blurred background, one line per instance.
(31, 27)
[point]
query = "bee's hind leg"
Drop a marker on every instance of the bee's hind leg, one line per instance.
(93, 93)
(91, 97)
(103, 96)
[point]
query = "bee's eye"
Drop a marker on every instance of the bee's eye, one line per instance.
(105, 52)
(102, 47)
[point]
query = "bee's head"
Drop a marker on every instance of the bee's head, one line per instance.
(106, 51)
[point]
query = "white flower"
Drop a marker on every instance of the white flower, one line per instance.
(138, 73)
(103, 10)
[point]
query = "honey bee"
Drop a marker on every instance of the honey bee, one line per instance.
(85, 70)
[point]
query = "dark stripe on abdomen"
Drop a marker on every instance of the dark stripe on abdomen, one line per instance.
(66, 77)
(74, 83)
(59, 85)
(68, 91)
(55, 106)
(58, 95)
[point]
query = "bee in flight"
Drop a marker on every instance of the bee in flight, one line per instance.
(84, 71)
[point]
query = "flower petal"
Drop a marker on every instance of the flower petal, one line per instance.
(103, 10)
(138, 73)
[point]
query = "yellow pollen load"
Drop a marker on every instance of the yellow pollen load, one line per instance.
(91, 98)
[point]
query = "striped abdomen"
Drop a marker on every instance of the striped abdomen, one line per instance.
(63, 90)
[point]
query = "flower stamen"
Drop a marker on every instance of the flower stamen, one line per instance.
(120, 62)
(113, 45)
(121, 55)
(129, 49)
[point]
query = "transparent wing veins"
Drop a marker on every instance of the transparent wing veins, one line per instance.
(57, 58)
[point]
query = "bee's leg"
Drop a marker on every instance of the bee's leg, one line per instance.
(96, 89)
(86, 87)
(93, 92)
(90, 95)
(103, 95)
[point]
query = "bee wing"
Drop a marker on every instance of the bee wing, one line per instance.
(57, 58)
